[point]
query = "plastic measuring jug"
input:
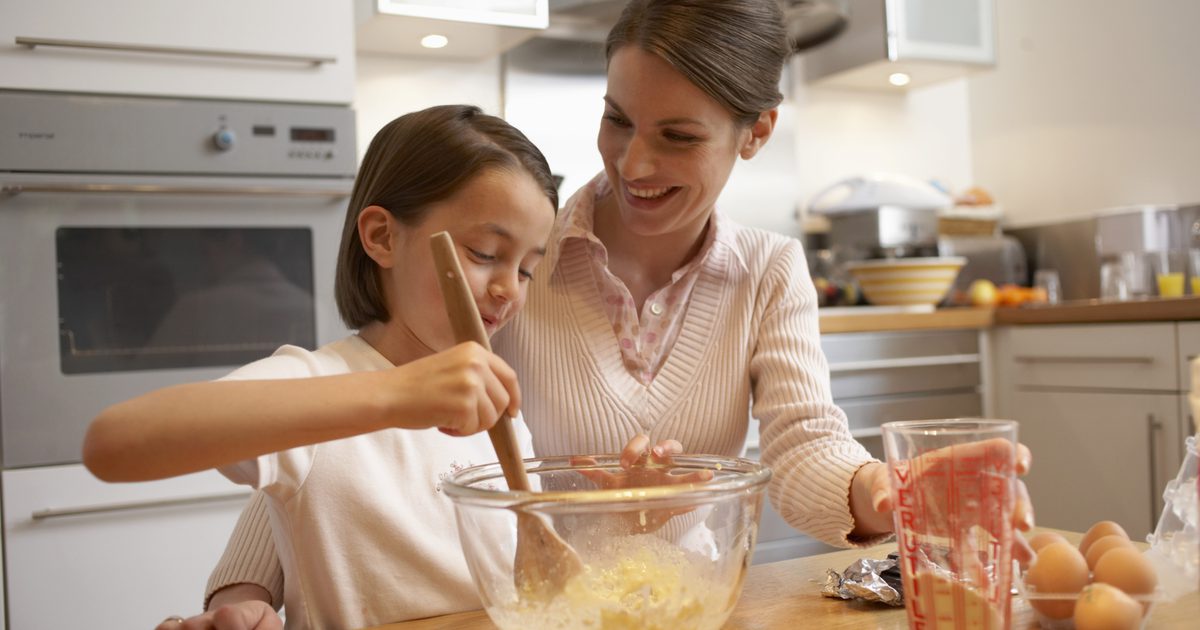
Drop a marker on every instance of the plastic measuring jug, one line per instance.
(953, 487)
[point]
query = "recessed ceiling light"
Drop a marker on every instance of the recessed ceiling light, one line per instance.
(434, 41)
(899, 79)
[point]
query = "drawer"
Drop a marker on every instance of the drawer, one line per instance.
(1135, 357)
(854, 348)
(1189, 350)
(126, 555)
(865, 415)
(853, 381)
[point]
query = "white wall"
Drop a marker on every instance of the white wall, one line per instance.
(840, 132)
(1091, 105)
(390, 85)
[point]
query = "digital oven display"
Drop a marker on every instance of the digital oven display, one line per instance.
(312, 134)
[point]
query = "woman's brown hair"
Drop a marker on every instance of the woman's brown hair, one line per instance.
(734, 50)
(417, 160)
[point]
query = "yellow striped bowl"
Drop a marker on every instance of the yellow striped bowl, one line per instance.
(895, 281)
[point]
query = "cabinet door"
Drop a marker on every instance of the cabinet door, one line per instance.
(1189, 350)
(943, 30)
(1096, 456)
(274, 50)
(81, 553)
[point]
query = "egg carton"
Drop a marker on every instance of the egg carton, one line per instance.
(1046, 622)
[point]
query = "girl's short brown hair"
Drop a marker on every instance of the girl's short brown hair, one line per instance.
(734, 50)
(417, 160)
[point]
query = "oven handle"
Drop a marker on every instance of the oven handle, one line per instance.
(266, 191)
(46, 513)
(33, 42)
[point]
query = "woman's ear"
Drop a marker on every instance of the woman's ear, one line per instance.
(760, 132)
(378, 231)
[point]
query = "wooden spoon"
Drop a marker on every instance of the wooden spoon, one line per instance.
(544, 561)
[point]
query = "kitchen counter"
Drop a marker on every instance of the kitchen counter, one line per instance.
(868, 319)
(1096, 311)
(788, 594)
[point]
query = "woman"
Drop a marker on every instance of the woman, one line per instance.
(655, 318)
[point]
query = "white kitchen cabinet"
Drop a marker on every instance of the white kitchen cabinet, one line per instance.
(473, 29)
(272, 50)
(928, 40)
(1097, 456)
(81, 553)
(1099, 406)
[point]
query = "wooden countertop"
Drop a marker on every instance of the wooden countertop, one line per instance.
(845, 320)
(1096, 311)
(787, 594)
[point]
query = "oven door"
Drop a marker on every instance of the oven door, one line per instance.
(111, 287)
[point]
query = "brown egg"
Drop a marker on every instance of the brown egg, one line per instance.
(1106, 607)
(1041, 539)
(1102, 546)
(1098, 531)
(1058, 568)
(1127, 569)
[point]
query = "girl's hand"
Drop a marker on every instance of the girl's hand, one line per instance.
(642, 467)
(459, 391)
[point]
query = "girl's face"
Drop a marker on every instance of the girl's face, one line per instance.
(500, 222)
(667, 146)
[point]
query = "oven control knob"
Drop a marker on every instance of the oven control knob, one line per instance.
(223, 139)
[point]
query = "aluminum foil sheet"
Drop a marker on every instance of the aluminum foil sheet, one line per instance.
(868, 580)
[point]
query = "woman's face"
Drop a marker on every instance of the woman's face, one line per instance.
(667, 147)
(500, 222)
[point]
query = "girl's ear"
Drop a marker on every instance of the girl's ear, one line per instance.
(760, 132)
(378, 231)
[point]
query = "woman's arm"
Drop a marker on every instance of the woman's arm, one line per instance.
(823, 477)
(188, 428)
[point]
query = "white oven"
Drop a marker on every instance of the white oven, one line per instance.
(146, 242)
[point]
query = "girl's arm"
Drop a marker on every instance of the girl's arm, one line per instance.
(188, 428)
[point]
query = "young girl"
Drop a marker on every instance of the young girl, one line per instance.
(355, 506)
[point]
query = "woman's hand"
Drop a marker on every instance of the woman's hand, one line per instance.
(459, 391)
(644, 467)
(871, 500)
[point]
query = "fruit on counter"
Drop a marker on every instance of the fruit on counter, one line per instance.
(1106, 607)
(1098, 531)
(1058, 568)
(1013, 295)
(982, 292)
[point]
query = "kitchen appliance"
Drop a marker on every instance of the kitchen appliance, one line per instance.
(998, 258)
(881, 216)
(148, 242)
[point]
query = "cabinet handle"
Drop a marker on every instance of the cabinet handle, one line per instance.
(1153, 426)
(47, 513)
(906, 362)
(33, 42)
(149, 189)
(1096, 359)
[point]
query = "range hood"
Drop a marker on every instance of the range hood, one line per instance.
(901, 44)
(573, 43)
(810, 22)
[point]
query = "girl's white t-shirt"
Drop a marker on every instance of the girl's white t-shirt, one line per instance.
(363, 530)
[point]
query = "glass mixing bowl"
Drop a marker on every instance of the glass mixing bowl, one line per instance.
(655, 554)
